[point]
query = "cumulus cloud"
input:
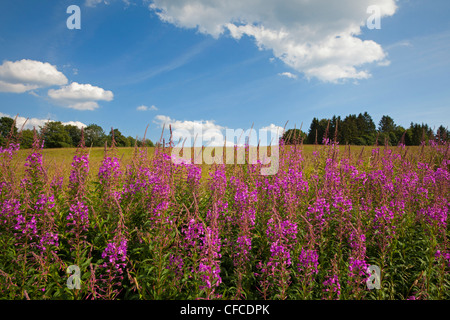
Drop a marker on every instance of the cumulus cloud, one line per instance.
(31, 123)
(271, 134)
(288, 74)
(25, 75)
(209, 133)
(317, 38)
(75, 123)
(273, 129)
(192, 131)
(80, 96)
(146, 108)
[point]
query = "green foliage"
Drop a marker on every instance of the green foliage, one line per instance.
(26, 138)
(361, 130)
(74, 134)
(7, 129)
(55, 135)
(94, 136)
(386, 125)
(119, 138)
(294, 136)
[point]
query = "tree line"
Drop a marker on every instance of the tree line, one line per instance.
(353, 129)
(58, 135)
(361, 130)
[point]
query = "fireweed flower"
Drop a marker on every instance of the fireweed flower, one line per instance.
(138, 181)
(109, 170)
(27, 228)
(35, 223)
(44, 202)
(34, 172)
(383, 217)
(115, 255)
(3, 188)
(57, 184)
(244, 203)
(78, 217)
(48, 239)
(79, 172)
(357, 263)
(218, 185)
(34, 162)
(294, 188)
(244, 245)
(176, 264)
(109, 176)
(209, 267)
(193, 236)
(194, 175)
(206, 242)
(405, 183)
(445, 256)
(6, 169)
(10, 150)
(377, 196)
(440, 175)
(48, 236)
(192, 245)
(308, 262)
(112, 269)
(282, 235)
(437, 213)
(284, 230)
(332, 285)
(318, 213)
(10, 208)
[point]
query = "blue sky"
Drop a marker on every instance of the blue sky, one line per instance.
(227, 67)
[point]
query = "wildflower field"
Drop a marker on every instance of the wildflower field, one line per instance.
(149, 228)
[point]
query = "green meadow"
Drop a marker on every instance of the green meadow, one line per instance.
(58, 160)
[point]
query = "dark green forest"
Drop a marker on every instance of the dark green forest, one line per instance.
(361, 130)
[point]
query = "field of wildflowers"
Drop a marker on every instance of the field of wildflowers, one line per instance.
(153, 229)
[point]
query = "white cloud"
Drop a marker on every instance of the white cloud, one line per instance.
(384, 63)
(207, 132)
(271, 134)
(25, 75)
(80, 96)
(204, 130)
(36, 123)
(317, 38)
(93, 3)
(273, 129)
(75, 123)
(146, 108)
(288, 74)
(16, 87)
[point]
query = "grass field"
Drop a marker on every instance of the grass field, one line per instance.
(59, 160)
